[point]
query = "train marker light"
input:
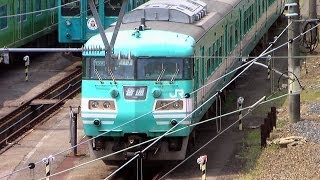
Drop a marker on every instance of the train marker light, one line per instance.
(114, 93)
(68, 23)
(156, 93)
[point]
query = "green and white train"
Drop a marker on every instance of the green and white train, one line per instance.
(27, 23)
(176, 52)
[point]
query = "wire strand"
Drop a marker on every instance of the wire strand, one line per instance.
(263, 54)
(215, 137)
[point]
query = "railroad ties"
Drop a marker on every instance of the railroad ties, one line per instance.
(30, 113)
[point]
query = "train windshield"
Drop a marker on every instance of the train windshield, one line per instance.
(163, 67)
(152, 68)
(99, 68)
(70, 8)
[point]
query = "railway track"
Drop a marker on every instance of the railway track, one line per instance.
(29, 114)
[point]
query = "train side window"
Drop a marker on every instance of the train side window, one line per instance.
(112, 7)
(19, 18)
(220, 50)
(209, 62)
(70, 8)
(24, 10)
(230, 38)
(236, 32)
(38, 8)
(3, 20)
(52, 3)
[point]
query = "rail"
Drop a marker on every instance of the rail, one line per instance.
(29, 114)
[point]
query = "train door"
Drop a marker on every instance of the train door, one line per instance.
(23, 22)
(53, 12)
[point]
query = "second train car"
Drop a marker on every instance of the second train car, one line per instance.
(77, 24)
(183, 45)
(27, 23)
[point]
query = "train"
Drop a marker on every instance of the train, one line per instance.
(164, 51)
(21, 28)
(77, 24)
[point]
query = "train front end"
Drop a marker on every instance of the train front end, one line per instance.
(138, 95)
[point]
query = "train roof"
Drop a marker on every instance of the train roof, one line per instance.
(190, 17)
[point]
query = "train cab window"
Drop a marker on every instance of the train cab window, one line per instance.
(112, 7)
(3, 17)
(121, 69)
(38, 8)
(164, 68)
(70, 8)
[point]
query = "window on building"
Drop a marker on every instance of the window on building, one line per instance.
(3, 17)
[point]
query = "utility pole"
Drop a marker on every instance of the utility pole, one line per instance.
(312, 9)
(293, 61)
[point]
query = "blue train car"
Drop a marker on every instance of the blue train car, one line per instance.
(177, 51)
(76, 22)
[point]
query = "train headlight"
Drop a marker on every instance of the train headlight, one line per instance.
(94, 104)
(176, 105)
(162, 105)
(102, 105)
(68, 23)
(106, 105)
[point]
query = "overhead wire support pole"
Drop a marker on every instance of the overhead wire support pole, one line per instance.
(293, 63)
(312, 9)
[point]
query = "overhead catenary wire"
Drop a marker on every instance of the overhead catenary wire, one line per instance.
(222, 76)
(52, 25)
(39, 11)
(208, 100)
(285, 43)
(216, 136)
(249, 62)
(172, 132)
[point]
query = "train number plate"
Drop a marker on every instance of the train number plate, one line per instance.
(135, 92)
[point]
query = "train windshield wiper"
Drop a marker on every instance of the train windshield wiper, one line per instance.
(112, 75)
(98, 75)
(161, 74)
(175, 74)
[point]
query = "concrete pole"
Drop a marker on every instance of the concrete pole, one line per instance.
(312, 9)
(293, 62)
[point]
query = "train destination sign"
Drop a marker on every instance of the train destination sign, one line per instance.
(135, 92)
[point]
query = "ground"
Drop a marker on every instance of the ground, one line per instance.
(294, 162)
